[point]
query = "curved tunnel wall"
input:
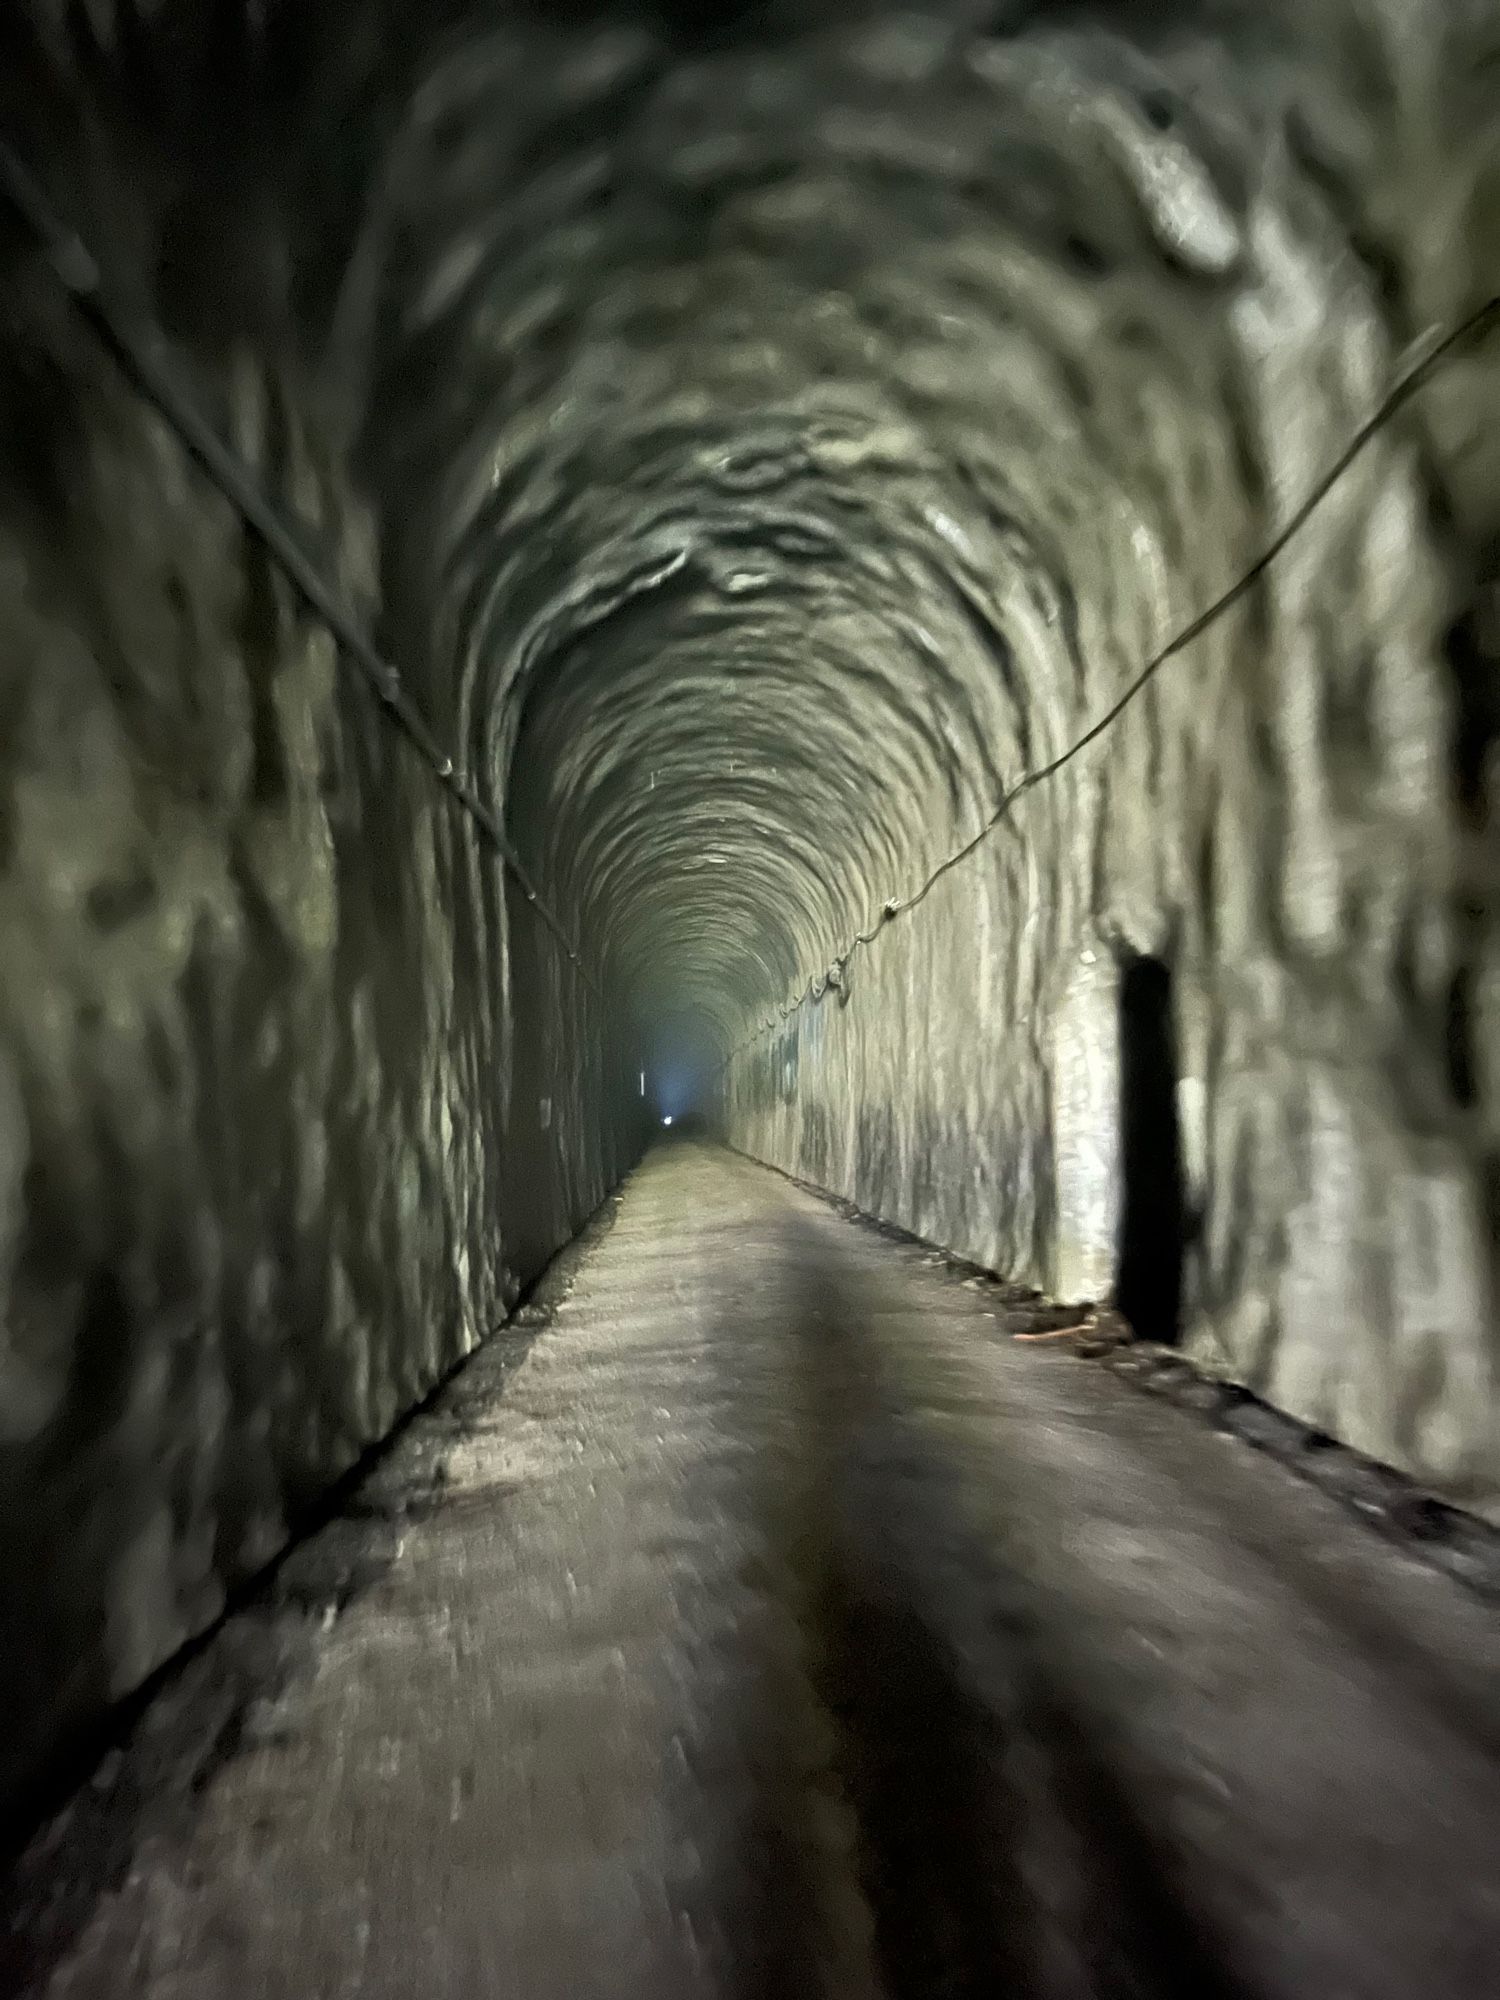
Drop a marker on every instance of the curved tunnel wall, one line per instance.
(758, 448)
(1291, 820)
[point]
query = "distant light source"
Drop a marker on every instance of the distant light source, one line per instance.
(643, 1083)
(668, 1119)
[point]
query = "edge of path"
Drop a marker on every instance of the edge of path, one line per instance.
(135, 1777)
(1463, 1546)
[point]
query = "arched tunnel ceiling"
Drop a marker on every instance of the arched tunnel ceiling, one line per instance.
(756, 447)
(820, 423)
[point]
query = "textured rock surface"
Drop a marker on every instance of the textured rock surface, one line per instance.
(290, 1104)
(1130, 359)
(758, 446)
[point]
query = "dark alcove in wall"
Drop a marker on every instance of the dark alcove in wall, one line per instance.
(1152, 1224)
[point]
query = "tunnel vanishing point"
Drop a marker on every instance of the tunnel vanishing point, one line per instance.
(762, 439)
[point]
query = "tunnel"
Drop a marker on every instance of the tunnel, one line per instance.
(901, 595)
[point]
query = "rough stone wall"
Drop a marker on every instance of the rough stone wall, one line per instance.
(761, 434)
(267, 1101)
(1297, 818)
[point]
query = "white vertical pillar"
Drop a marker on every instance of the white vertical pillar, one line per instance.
(1086, 1130)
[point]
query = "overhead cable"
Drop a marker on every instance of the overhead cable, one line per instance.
(1465, 333)
(146, 360)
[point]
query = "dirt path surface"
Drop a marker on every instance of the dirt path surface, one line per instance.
(765, 1621)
